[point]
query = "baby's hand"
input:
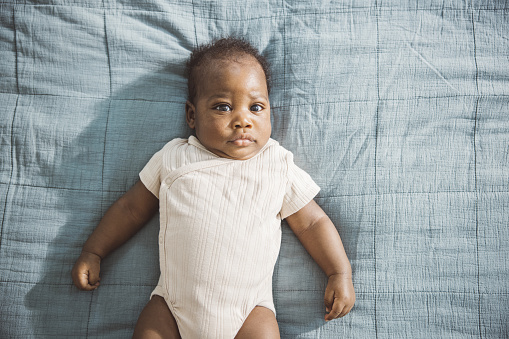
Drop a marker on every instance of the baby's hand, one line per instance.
(85, 273)
(339, 296)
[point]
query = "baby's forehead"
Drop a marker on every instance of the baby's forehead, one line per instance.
(221, 62)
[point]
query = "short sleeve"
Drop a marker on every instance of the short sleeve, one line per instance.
(300, 190)
(150, 175)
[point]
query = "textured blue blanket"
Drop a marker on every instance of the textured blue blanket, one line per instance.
(398, 109)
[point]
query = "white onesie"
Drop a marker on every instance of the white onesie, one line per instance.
(221, 231)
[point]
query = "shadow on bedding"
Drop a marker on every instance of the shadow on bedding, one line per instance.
(118, 137)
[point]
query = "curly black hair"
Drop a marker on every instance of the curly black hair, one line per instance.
(222, 49)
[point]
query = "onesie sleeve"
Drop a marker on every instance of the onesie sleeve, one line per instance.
(150, 175)
(300, 190)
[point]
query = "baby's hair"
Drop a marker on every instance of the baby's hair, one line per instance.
(222, 49)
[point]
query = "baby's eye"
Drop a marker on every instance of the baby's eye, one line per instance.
(223, 108)
(256, 108)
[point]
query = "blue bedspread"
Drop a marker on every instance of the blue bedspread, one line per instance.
(398, 109)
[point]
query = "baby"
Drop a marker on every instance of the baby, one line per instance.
(221, 195)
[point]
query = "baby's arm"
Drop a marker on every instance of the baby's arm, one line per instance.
(319, 237)
(120, 222)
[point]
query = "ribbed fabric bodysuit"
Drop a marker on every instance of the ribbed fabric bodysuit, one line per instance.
(221, 231)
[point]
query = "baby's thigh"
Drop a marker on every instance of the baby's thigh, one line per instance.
(156, 321)
(261, 323)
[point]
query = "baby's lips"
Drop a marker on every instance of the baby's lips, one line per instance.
(245, 136)
(242, 142)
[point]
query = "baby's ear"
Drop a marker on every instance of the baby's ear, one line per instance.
(190, 114)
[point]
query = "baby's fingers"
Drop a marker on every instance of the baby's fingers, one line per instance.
(86, 284)
(93, 278)
(337, 311)
(339, 296)
(85, 275)
(328, 299)
(83, 280)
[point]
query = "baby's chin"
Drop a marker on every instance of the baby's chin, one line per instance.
(243, 154)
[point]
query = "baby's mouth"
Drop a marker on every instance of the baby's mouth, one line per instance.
(242, 140)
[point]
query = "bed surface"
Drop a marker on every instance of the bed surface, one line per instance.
(399, 110)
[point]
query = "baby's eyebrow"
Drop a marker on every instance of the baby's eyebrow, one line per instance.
(225, 95)
(218, 96)
(256, 95)
(215, 97)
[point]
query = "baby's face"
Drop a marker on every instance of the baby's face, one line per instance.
(231, 110)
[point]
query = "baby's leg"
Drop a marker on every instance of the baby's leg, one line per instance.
(261, 323)
(156, 321)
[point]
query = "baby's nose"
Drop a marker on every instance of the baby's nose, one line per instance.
(242, 121)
